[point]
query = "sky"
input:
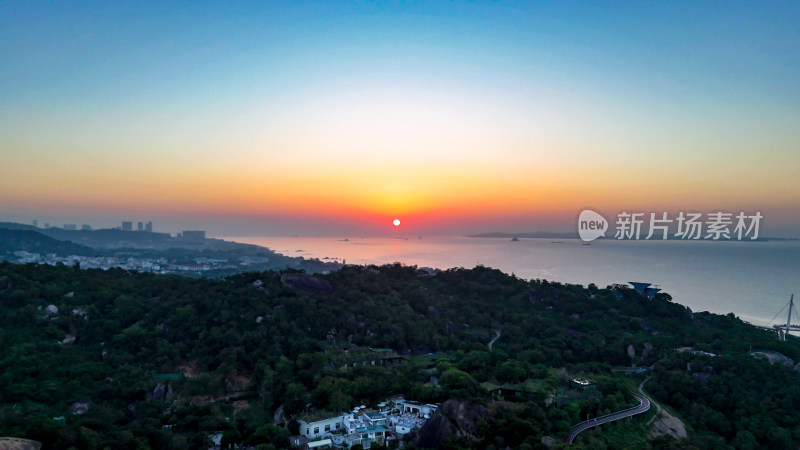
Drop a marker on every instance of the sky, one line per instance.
(334, 118)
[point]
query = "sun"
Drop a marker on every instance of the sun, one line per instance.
(396, 222)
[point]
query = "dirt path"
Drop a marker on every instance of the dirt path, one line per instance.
(665, 423)
(497, 334)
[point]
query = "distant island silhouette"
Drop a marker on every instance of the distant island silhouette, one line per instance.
(536, 234)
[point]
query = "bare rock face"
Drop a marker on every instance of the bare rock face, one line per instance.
(306, 283)
(160, 392)
(79, 408)
(164, 328)
(648, 347)
(455, 418)
(573, 334)
(535, 296)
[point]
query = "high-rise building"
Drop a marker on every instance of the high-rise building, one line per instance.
(46, 225)
(86, 227)
(194, 235)
(127, 226)
(35, 223)
(140, 226)
(148, 227)
(70, 226)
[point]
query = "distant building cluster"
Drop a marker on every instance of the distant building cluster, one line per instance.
(125, 226)
(66, 226)
(196, 235)
(140, 226)
(138, 264)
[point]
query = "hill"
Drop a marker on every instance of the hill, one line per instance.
(152, 248)
(18, 226)
(32, 241)
(127, 360)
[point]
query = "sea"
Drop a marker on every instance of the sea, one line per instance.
(753, 280)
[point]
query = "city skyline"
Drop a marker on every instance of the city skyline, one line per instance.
(317, 119)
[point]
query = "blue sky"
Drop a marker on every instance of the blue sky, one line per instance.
(675, 47)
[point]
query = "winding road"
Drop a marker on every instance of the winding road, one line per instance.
(644, 406)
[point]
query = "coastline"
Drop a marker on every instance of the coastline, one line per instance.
(754, 288)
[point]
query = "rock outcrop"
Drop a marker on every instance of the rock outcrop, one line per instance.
(455, 418)
(306, 283)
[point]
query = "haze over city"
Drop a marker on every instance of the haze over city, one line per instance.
(335, 119)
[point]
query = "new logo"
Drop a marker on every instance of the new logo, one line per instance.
(591, 225)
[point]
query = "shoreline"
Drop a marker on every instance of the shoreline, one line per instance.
(444, 252)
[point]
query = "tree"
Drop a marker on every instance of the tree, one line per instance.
(510, 371)
(295, 398)
(460, 384)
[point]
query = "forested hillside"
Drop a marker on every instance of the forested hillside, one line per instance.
(33, 241)
(93, 359)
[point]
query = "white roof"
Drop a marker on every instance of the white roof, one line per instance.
(315, 444)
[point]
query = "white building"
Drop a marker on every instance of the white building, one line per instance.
(367, 436)
(404, 426)
(314, 428)
(375, 419)
(365, 428)
(412, 407)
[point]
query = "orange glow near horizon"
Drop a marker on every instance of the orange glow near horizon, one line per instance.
(426, 157)
(445, 195)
